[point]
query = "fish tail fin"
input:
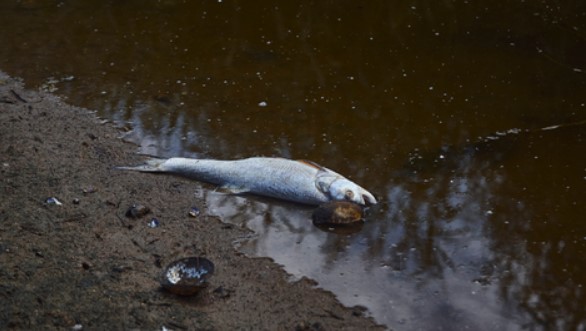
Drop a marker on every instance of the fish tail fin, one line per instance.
(150, 165)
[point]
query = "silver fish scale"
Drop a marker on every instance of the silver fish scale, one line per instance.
(274, 177)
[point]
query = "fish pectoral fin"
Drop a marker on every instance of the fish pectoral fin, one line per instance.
(321, 185)
(324, 180)
(234, 189)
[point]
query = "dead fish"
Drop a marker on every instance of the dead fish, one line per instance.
(292, 180)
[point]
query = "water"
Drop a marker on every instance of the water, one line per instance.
(435, 107)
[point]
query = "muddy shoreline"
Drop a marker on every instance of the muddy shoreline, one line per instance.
(85, 264)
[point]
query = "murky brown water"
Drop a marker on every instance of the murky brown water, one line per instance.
(436, 106)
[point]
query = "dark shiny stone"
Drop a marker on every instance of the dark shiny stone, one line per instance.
(194, 212)
(335, 213)
(137, 211)
(187, 276)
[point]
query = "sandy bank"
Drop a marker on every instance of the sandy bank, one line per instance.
(86, 263)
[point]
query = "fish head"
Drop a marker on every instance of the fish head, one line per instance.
(342, 189)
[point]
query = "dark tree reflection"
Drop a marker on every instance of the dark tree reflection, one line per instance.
(470, 236)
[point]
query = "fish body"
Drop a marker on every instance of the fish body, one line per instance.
(299, 181)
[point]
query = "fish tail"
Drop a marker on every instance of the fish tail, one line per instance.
(150, 165)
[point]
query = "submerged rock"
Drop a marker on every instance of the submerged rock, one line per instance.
(187, 276)
(336, 213)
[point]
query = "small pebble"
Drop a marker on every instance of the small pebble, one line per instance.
(53, 201)
(89, 189)
(154, 223)
(194, 212)
(136, 211)
(222, 292)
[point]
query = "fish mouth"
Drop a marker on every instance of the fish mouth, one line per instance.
(369, 199)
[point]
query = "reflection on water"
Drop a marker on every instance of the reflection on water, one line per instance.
(435, 106)
(452, 247)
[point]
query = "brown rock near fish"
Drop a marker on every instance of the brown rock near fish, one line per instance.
(338, 213)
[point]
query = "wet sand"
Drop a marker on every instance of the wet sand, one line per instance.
(85, 264)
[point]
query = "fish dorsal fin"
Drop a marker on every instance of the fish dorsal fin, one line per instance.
(311, 164)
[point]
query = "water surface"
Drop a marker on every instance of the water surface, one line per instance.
(437, 107)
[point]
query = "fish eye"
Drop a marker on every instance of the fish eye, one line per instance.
(349, 195)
